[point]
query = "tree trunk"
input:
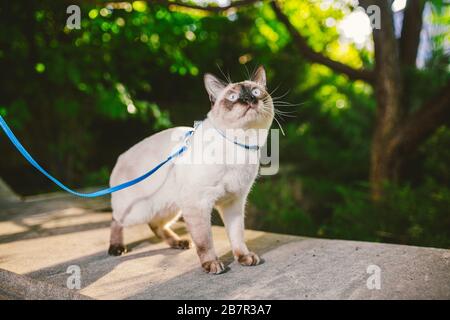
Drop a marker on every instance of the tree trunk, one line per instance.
(396, 133)
(385, 160)
(410, 38)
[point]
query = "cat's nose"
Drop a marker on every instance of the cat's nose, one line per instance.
(248, 99)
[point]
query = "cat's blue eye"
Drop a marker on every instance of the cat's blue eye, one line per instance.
(256, 92)
(232, 97)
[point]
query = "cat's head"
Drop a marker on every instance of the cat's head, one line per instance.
(243, 105)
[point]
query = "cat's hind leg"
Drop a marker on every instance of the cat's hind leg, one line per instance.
(161, 228)
(116, 247)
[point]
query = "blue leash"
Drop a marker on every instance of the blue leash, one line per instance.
(124, 185)
(98, 193)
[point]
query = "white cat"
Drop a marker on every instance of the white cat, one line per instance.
(193, 190)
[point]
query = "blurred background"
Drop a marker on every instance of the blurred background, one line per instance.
(366, 154)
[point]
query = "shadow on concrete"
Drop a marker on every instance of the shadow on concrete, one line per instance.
(202, 285)
(99, 264)
(37, 231)
(35, 206)
(17, 213)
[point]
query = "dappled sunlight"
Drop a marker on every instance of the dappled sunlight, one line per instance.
(356, 27)
(399, 5)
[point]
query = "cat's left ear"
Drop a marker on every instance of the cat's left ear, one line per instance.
(260, 76)
(214, 86)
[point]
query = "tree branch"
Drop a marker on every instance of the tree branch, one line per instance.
(301, 42)
(216, 9)
(410, 37)
(317, 57)
(424, 121)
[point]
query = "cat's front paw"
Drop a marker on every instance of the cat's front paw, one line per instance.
(117, 249)
(213, 266)
(249, 259)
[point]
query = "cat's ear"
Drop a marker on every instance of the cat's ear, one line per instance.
(260, 76)
(213, 86)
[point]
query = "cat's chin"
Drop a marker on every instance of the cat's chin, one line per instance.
(250, 115)
(255, 121)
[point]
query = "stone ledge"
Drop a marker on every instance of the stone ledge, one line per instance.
(17, 287)
(41, 239)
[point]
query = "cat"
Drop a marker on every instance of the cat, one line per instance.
(194, 190)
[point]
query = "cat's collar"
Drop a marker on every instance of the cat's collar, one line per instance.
(242, 145)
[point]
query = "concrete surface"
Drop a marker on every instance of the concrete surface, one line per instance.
(41, 237)
(17, 287)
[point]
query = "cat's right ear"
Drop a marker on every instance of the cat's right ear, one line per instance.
(213, 86)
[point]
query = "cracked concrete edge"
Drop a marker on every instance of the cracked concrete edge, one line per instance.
(14, 286)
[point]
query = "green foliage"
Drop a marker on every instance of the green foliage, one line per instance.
(278, 207)
(417, 216)
(407, 215)
(436, 156)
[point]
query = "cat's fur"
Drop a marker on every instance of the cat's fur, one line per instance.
(194, 190)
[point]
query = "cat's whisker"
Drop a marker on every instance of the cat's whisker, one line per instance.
(248, 72)
(273, 91)
(287, 112)
(280, 117)
(228, 79)
(253, 73)
(266, 109)
(288, 104)
(277, 101)
(282, 96)
(279, 125)
(281, 101)
(267, 106)
(285, 115)
(290, 114)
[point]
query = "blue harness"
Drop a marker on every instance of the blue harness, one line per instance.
(106, 191)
